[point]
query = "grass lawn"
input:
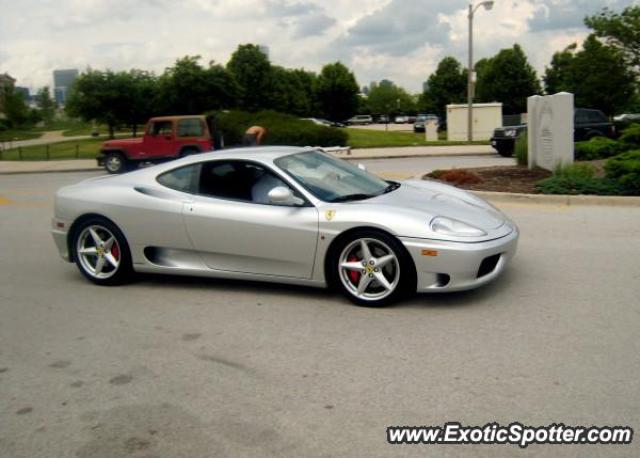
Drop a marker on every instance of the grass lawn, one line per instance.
(80, 149)
(14, 135)
(366, 138)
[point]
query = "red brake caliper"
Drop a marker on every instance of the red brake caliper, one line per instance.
(354, 275)
(115, 251)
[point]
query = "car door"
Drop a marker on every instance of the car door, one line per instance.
(160, 140)
(234, 233)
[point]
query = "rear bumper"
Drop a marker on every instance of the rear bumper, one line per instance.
(454, 266)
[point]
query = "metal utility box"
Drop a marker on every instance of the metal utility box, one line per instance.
(486, 118)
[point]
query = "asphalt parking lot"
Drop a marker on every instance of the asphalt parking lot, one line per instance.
(171, 367)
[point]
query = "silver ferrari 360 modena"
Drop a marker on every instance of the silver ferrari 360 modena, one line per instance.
(283, 214)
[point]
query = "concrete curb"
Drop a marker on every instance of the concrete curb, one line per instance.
(352, 157)
(33, 172)
(542, 199)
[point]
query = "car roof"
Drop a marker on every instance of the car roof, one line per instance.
(173, 118)
(261, 153)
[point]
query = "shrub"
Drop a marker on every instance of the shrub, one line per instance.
(522, 149)
(631, 136)
(282, 129)
(576, 171)
(456, 176)
(598, 148)
(625, 168)
(574, 185)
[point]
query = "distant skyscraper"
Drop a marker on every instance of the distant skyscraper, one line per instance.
(387, 83)
(62, 81)
(264, 49)
(425, 86)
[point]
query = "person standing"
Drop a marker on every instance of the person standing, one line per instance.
(253, 136)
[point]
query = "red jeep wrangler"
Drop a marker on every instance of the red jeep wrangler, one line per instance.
(165, 138)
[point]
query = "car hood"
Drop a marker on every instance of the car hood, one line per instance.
(437, 199)
(409, 210)
(123, 142)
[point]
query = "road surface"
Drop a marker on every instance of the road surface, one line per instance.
(173, 366)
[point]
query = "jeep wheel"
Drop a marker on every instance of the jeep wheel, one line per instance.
(115, 163)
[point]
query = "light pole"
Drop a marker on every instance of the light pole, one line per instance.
(470, 82)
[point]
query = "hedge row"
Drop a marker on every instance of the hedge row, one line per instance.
(604, 148)
(282, 129)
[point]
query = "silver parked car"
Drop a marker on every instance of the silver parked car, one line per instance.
(283, 214)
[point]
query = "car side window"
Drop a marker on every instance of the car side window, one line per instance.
(190, 128)
(597, 117)
(161, 128)
(581, 117)
(238, 180)
(183, 179)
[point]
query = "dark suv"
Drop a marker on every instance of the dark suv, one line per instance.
(587, 124)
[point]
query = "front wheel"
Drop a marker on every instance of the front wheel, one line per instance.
(115, 163)
(372, 269)
(505, 151)
(101, 252)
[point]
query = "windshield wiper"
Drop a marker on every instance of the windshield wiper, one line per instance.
(349, 197)
(392, 187)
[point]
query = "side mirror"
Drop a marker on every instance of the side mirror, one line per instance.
(362, 167)
(281, 195)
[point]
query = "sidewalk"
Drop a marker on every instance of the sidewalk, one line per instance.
(87, 165)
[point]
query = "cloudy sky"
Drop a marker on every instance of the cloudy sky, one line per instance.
(401, 40)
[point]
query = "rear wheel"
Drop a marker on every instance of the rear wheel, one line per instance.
(101, 252)
(372, 269)
(115, 163)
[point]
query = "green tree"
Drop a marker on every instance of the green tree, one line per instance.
(508, 78)
(15, 107)
(620, 31)
(390, 100)
(251, 69)
(103, 96)
(557, 77)
(189, 88)
(337, 92)
(46, 105)
(291, 91)
(600, 78)
(447, 85)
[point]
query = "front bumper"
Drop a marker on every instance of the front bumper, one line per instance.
(503, 143)
(59, 231)
(457, 266)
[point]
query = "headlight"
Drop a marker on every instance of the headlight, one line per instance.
(510, 132)
(448, 226)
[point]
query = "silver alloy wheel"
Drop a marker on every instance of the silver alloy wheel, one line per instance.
(369, 269)
(98, 252)
(114, 163)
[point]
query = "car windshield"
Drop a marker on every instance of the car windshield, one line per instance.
(331, 179)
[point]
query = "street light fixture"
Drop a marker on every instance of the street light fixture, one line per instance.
(488, 5)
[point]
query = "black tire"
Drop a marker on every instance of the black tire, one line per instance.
(105, 229)
(505, 151)
(379, 242)
(115, 162)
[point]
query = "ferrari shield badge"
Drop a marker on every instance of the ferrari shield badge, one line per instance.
(329, 214)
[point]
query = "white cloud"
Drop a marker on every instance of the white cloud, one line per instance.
(402, 40)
